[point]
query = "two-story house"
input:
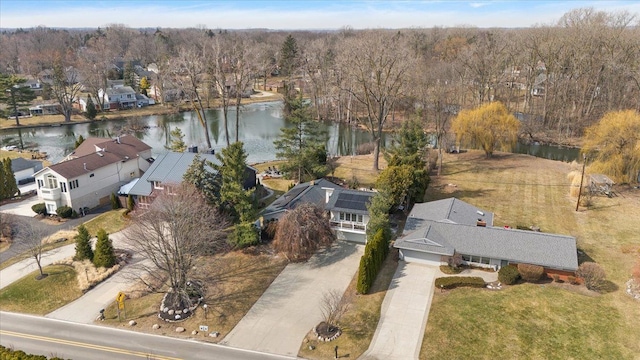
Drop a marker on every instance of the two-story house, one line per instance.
(87, 177)
(348, 208)
(121, 97)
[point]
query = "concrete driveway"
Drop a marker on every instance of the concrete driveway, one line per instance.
(22, 208)
(290, 308)
(404, 314)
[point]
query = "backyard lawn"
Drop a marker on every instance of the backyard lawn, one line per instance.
(40, 297)
(534, 321)
(111, 221)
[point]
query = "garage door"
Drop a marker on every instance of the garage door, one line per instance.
(420, 257)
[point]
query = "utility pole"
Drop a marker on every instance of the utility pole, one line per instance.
(584, 163)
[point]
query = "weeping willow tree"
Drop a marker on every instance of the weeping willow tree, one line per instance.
(613, 146)
(489, 127)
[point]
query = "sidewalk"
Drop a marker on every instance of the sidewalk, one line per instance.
(25, 267)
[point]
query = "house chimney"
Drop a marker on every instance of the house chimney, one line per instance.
(85, 166)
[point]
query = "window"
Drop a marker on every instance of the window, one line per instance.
(158, 185)
(466, 257)
(51, 209)
(63, 186)
(52, 182)
(360, 218)
(132, 174)
(73, 184)
(40, 183)
(341, 214)
(485, 260)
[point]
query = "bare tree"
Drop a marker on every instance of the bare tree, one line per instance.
(334, 305)
(178, 227)
(379, 63)
(302, 231)
(29, 240)
(220, 68)
(65, 87)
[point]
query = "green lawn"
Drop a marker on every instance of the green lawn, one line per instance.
(528, 321)
(111, 221)
(40, 297)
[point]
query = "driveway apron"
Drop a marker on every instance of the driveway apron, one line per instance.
(404, 314)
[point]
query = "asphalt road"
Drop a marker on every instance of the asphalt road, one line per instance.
(67, 340)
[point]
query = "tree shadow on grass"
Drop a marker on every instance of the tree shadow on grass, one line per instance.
(608, 287)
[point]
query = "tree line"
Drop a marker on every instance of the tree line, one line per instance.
(564, 75)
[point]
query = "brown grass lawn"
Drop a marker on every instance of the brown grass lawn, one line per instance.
(111, 221)
(17, 154)
(359, 167)
(529, 321)
(234, 283)
(359, 323)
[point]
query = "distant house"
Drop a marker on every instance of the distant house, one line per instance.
(87, 177)
(24, 169)
(349, 215)
(123, 97)
(167, 171)
(142, 101)
(81, 104)
(437, 230)
(47, 108)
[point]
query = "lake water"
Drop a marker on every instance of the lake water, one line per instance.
(260, 125)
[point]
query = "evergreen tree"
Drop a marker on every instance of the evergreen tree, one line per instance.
(83, 244)
(129, 75)
(9, 179)
(288, 56)
(302, 146)
(91, 108)
(245, 234)
(378, 215)
(177, 141)
(204, 180)
(79, 141)
(104, 255)
(115, 202)
(15, 95)
(3, 185)
(234, 198)
(130, 203)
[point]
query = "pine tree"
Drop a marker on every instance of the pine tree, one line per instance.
(302, 146)
(115, 202)
(104, 255)
(289, 56)
(204, 180)
(91, 108)
(130, 203)
(15, 94)
(129, 75)
(177, 141)
(233, 196)
(9, 179)
(79, 141)
(3, 185)
(83, 244)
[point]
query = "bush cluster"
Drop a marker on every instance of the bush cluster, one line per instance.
(592, 274)
(40, 209)
(375, 252)
(64, 212)
(531, 273)
(451, 282)
(9, 354)
(508, 275)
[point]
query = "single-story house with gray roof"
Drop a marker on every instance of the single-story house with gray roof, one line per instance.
(436, 231)
(348, 208)
(24, 169)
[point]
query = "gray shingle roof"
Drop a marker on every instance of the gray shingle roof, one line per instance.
(168, 168)
(309, 192)
(449, 210)
(352, 201)
(519, 246)
(19, 164)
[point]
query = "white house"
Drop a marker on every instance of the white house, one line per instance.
(88, 176)
(122, 97)
(24, 169)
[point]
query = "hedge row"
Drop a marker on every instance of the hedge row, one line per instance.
(375, 252)
(451, 282)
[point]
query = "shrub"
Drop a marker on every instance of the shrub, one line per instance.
(104, 255)
(572, 280)
(531, 273)
(592, 274)
(130, 203)
(83, 244)
(245, 234)
(115, 202)
(366, 148)
(363, 284)
(64, 212)
(452, 282)
(40, 209)
(508, 275)
(447, 269)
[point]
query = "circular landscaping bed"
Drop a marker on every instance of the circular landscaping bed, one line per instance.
(326, 332)
(174, 308)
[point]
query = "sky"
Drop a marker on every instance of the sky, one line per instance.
(292, 14)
